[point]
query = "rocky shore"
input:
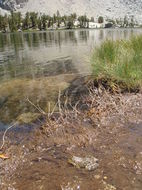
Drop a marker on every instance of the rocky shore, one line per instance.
(93, 127)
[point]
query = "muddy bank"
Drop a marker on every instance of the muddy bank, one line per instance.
(109, 128)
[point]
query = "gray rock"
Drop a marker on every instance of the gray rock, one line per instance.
(107, 9)
(89, 163)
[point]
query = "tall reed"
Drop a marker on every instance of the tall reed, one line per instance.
(120, 61)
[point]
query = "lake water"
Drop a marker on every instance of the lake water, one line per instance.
(36, 65)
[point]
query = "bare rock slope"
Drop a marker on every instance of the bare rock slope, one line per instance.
(106, 8)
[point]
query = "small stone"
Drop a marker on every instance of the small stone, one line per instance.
(105, 177)
(97, 176)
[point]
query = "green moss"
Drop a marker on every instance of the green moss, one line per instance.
(41, 91)
(27, 118)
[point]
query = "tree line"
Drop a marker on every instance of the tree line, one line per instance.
(124, 22)
(35, 21)
(32, 20)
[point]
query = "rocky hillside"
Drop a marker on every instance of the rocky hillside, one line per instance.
(106, 8)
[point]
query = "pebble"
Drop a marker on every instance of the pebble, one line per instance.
(97, 176)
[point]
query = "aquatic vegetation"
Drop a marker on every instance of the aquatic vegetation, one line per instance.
(42, 91)
(120, 62)
(27, 118)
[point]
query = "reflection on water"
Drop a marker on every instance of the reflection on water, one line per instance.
(20, 52)
(29, 57)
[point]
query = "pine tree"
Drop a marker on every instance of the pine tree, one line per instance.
(13, 22)
(44, 21)
(100, 19)
(27, 21)
(34, 19)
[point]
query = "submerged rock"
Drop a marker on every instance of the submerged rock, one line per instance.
(108, 186)
(89, 163)
(27, 118)
(75, 185)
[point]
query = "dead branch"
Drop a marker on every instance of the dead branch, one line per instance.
(3, 138)
(38, 108)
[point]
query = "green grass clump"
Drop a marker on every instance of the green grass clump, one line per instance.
(120, 62)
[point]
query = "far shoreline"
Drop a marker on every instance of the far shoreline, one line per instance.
(76, 29)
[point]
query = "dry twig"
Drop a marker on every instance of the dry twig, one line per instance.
(3, 138)
(37, 107)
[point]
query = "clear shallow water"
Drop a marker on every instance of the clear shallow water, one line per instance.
(22, 53)
(32, 63)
